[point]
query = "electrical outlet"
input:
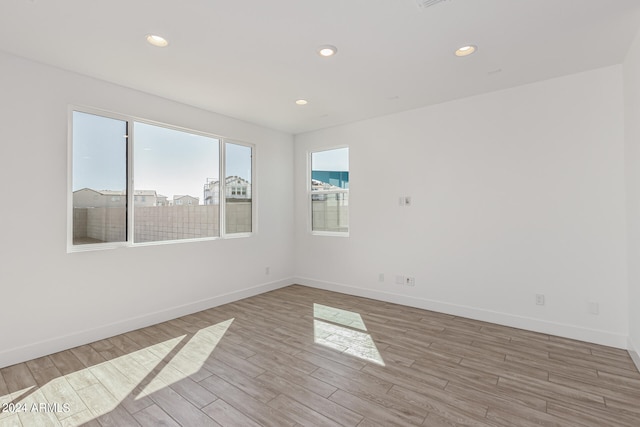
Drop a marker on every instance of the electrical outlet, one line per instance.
(407, 200)
(410, 281)
(594, 308)
(539, 299)
(267, 270)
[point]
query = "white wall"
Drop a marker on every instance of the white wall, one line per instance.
(515, 193)
(632, 145)
(52, 300)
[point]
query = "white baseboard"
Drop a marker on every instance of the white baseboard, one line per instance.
(558, 329)
(633, 352)
(53, 345)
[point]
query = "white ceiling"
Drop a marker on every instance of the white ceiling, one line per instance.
(251, 59)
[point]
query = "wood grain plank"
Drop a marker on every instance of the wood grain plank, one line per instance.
(43, 370)
(524, 419)
(88, 356)
(442, 403)
(105, 407)
(378, 413)
(301, 413)
(307, 397)
(153, 416)
(10, 421)
(84, 419)
(58, 391)
(352, 381)
(227, 415)
(254, 387)
(4, 390)
(243, 402)
(18, 378)
(590, 416)
(435, 420)
(496, 397)
(35, 415)
(66, 362)
(551, 391)
(180, 409)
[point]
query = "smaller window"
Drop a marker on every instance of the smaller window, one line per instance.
(239, 175)
(329, 191)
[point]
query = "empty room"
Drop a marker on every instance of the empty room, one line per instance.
(335, 213)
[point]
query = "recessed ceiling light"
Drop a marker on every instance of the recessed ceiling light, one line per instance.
(466, 50)
(302, 102)
(157, 40)
(327, 50)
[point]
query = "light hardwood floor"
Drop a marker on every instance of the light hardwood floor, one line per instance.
(305, 357)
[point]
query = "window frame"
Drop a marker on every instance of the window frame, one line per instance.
(223, 189)
(130, 189)
(310, 193)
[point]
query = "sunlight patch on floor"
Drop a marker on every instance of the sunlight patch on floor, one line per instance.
(123, 381)
(341, 330)
(189, 358)
(339, 316)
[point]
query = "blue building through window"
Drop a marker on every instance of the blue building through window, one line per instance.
(338, 179)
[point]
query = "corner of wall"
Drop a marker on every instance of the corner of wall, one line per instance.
(633, 352)
(631, 67)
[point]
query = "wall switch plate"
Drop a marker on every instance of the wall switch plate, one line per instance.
(404, 201)
(399, 280)
(539, 299)
(381, 277)
(594, 308)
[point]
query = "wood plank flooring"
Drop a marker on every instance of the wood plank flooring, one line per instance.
(304, 357)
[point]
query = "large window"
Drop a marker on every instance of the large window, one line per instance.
(329, 191)
(136, 182)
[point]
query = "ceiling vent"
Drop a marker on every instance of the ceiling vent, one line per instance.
(423, 4)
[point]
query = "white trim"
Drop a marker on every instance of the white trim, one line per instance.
(255, 192)
(330, 233)
(70, 178)
(222, 190)
(633, 352)
(64, 342)
(338, 191)
(536, 325)
(131, 226)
